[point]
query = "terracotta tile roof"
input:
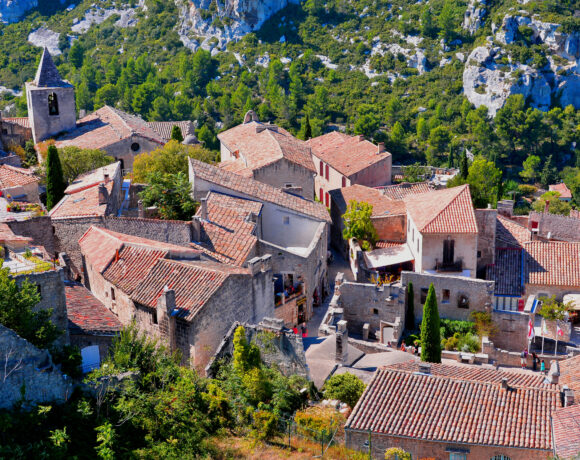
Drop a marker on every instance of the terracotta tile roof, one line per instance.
(194, 284)
(400, 191)
(381, 204)
(94, 177)
(7, 235)
(570, 374)
(553, 263)
(100, 246)
(107, 126)
(506, 272)
(21, 121)
(11, 176)
(443, 211)
(566, 427)
(510, 233)
(347, 154)
(258, 190)
(479, 374)
(432, 407)
(86, 314)
(84, 203)
(236, 166)
(260, 144)
(562, 189)
(164, 128)
(133, 263)
(381, 244)
(228, 235)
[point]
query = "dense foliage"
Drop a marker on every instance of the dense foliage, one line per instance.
(76, 161)
(430, 333)
(170, 194)
(346, 387)
(358, 224)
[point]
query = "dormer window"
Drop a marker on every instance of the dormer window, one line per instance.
(52, 104)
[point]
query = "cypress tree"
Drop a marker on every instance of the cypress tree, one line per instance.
(55, 184)
(430, 333)
(410, 317)
(307, 129)
(464, 166)
(176, 134)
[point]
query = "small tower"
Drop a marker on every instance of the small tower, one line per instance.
(51, 101)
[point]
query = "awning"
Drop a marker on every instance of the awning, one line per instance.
(574, 298)
(386, 257)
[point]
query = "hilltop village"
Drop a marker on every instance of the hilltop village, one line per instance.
(457, 325)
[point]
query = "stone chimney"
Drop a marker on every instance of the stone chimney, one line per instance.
(203, 208)
(425, 368)
(196, 228)
(504, 384)
(106, 177)
(380, 147)
(103, 194)
(165, 307)
(140, 209)
(361, 138)
(341, 353)
(255, 265)
(568, 396)
(554, 374)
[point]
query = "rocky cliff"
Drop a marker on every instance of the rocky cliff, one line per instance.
(13, 10)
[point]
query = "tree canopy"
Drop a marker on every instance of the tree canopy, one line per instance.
(358, 224)
(171, 194)
(430, 329)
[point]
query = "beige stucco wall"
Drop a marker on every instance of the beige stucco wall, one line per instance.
(122, 150)
(283, 172)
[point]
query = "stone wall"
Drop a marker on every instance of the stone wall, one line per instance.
(25, 367)
(42, 123)
(67, 232)
(13, 134)
(478, 293)
(278, 346)
(39, 229)
(422, 449)
(512, 330)
(51, 287)
(561, 228)
(86, 340)
(486, 224)
(283, 172)
(121, 150)
(391, 228)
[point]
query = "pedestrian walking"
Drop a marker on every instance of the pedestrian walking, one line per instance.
(534, 362)
(523, 359)
(543, 367)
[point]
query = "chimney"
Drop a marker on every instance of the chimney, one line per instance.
(554, 374)
(341, 352)
(568, 396)
(165, 307)
(140, 210)
(547, 207)
(361, 138)
(255, 265)
(504, 384)
(103, 194)
(425, 368)
(106, 177)
(196, 228)
(203, 208)
(380, 147)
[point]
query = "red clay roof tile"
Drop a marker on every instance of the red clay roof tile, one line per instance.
(86, 314)
(566, 425)
(11, 176)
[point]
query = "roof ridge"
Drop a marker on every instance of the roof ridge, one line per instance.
(458, 193)
(118, 115)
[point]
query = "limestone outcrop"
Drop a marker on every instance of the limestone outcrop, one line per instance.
(474, 17)
(13, 10)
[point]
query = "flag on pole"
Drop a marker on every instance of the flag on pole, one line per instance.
(531, 333)
(559, 330)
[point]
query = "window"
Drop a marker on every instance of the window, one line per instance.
(154, 316)
(343, 181)
(478, 254)
(112, 294)
(424, 292)
(375, 311)
(448, 251)
(462, 301)
(5, 132)
(327, 172)
(457, 456)
(445, 295)
(39, 289)
(286, 220)
(52, 104)
(327, 200)
(135, 147)
(321, 195)
(500, 457)
(321, 169)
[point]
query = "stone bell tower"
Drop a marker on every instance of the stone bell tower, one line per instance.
(51, 101)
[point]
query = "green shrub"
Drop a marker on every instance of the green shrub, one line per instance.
(264, 426)
(450, 327)
(347, 388)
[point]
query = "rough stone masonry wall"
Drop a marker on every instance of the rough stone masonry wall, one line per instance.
(39, 229)
(51, 286)
(486, 223)
(419, 448)
(561, 227)
(366, 303)
(512, 330)
(478, 292)
(281, 348)
(67, 232)
(23, 366)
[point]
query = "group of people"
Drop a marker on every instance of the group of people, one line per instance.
(535, 361)
(303, 331)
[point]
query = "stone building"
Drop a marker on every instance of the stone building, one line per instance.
(342, 160)
(28, 374)
(14, 131)
(269, 154)
(293, 230)
(171, 293)
(554, 226)
(51, 101)
(451, 411)
(21, 184)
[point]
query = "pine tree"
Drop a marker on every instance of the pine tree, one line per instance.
(464, 166)
(55, 184)
(451, 159)
(307, 128)
(430, 333)
(410, 316)
(176, 134)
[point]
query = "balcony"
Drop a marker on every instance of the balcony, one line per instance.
(289, 294)
(456, 266)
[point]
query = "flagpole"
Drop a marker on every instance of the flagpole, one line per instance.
(543, 332)
(556, 349)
